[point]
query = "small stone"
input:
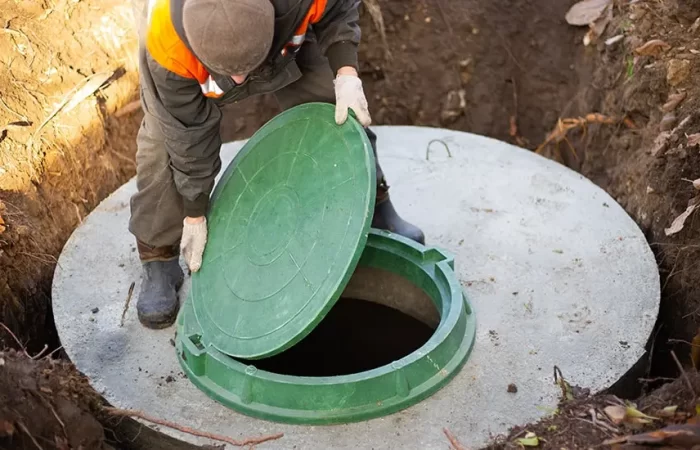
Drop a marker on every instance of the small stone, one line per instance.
(172, 342)
(169, 379)
(650, 190)
(677, 71)
(512, 388)
(428, 20)
(95, 310)
(668, 122)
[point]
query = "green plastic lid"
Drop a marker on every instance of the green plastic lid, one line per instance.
(288, 222)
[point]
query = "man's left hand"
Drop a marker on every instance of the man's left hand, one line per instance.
(350, 95)
(194, 239)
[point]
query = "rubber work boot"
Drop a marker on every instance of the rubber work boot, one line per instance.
(386, 217)
(158, 305)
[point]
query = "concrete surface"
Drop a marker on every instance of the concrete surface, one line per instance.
(557, 272)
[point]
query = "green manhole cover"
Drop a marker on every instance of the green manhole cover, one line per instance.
(350, 397)
(288, 223)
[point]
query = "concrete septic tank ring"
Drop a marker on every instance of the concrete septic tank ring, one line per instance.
(555, 270)
(353, 397)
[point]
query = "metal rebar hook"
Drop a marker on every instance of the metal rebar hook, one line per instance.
(427, 150)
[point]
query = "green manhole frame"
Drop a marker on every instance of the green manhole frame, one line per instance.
(359, 396)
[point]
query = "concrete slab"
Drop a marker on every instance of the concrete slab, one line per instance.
(556, 270)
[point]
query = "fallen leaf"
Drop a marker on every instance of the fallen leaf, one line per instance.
(652, 48)
(627, 414)
(679, 222)
(668, 121)
(673, 101)
(597, 28)
(616, 413)
(660, 143)
(669, 411)
(684, 436)
(585, 12)
(693, 140)
(530, 440)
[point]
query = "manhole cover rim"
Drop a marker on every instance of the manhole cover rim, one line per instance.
(459, 322)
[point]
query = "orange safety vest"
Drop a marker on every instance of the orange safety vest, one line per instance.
(168, 50)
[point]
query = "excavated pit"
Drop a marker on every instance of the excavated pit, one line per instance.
(525, 74)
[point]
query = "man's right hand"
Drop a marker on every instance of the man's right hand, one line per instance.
(194, 239)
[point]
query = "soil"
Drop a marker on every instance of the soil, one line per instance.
(582, 422)
(503, 69)
(46, 404)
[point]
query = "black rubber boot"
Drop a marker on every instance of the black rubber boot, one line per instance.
(158, 305)
(386, 217)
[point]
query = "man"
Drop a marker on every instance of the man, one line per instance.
(197, 55)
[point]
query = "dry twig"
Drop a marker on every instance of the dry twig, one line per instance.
(453, 440)
(599, 423)
(595, 424)
(15, 338)
(217, 437)
(565, 125)
(375, 13)
(26, 431)
(128, 301)
(40, 354)
(682, 341)
(685, 375)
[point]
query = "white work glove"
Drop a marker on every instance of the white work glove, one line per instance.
(349, 94)
(194, 238)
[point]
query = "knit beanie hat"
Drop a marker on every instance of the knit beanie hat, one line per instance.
(231, 37)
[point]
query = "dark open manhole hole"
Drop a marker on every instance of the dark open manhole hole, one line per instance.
(355, 336)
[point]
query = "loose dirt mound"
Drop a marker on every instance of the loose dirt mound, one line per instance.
(584, 423)
(46, 404)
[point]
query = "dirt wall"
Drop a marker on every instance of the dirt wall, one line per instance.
(59, 156)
